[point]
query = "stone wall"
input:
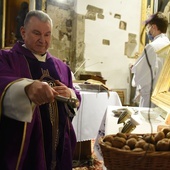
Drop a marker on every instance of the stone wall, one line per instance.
(68, 33)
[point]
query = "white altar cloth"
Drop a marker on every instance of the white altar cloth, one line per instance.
(92, 109)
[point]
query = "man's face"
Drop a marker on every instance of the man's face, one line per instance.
(37, 35)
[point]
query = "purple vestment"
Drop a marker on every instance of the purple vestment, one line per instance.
(28, 146)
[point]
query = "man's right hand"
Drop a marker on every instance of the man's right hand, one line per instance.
(40, 92)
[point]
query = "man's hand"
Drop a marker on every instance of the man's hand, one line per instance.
(62, 89)
(40, 92)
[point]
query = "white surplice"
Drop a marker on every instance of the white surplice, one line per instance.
(142, 72)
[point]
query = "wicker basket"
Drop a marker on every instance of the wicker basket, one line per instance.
(118, 159)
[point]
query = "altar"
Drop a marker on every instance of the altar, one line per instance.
(92, 109)
(87, 121)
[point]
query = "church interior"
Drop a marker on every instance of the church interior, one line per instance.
(100, 41)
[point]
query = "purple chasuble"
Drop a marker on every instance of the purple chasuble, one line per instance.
(28, 146)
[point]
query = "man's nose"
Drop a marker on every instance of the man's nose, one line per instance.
(42, 38)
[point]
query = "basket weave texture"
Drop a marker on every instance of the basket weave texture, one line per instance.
(118, 159)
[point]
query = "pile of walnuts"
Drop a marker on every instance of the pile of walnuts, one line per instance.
(146, 142)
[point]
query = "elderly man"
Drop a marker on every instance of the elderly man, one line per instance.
(36, 92)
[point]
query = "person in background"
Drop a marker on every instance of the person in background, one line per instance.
(36, 132)
(148, 66)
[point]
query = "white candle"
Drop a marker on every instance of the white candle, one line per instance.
(31, 5)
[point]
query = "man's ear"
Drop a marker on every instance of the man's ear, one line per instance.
(22, 31)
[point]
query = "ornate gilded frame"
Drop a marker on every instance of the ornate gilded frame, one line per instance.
(161, 93)
(146, 10)
(3, 23)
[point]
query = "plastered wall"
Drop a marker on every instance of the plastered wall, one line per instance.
(100, 36)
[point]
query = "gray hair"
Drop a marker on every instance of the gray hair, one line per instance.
(42, 16)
